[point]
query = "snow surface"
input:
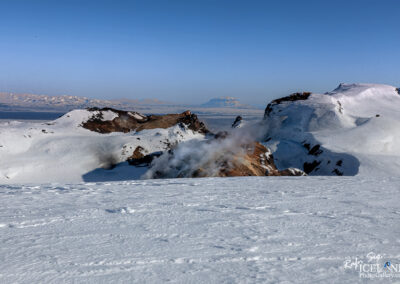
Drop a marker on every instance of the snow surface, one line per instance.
(211, 230)
(356, 123)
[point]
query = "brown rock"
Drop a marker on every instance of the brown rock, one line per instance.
(128, 121)
(250, 159)
(139, 157)
(257, 161)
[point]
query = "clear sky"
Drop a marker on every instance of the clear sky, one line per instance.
(190, 51)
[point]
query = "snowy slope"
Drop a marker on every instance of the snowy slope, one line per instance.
(211, 230)
(354, 129)
(63, 151)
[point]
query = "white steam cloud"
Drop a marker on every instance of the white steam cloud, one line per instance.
(205, 157)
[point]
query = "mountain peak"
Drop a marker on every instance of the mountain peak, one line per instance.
(224, 102)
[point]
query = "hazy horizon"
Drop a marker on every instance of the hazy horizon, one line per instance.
(192, 51)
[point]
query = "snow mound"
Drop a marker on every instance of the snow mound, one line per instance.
(355, 129)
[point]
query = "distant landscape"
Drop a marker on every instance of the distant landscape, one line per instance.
(43, 103)
(217, 113)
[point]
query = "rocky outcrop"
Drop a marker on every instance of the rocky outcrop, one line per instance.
(238, 122)
(218, 155)
(293, 97)
(127, 121)
(255, 160)
(141, 157)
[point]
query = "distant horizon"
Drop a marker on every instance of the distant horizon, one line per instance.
(127, 98)
(185, 103)
(192, 51)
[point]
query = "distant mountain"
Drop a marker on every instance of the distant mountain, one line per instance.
(10, 101)
(224, 102)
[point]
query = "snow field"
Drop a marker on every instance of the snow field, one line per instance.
(211, 230)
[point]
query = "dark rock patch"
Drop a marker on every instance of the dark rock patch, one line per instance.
(309, 167)
(315, 151)
(139, 158)
(337, 172)
(237, 121)
(293, 97)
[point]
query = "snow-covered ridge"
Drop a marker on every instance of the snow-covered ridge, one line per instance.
(64, 151)
(354, 129)
(108, 144)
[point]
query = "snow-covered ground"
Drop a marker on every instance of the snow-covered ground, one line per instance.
(211, 230)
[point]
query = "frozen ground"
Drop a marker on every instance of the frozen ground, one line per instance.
(212, 230)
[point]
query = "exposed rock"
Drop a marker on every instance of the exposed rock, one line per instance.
(315, 151)
(257, 161)
(337, 172)
(238, 122)
(138, 153)
(309, 167)
(293, 97)
(126, 121)
(398, 90)
(143, 160)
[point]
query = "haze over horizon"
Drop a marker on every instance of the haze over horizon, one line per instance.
(191, 51)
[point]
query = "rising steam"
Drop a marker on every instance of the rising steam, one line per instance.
(201, 158)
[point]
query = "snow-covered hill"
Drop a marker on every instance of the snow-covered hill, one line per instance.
(211, 230)
(65, 151)
(109, 145)
(354, 129)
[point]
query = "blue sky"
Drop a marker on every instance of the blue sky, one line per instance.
(190, 51)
